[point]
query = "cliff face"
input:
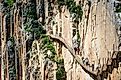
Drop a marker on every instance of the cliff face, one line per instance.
(60, 40)
(99, 39)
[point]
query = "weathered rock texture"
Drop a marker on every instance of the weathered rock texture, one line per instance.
(24, 57)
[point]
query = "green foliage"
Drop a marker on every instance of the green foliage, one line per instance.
(48, 44)
(10, 3)
(118, 9)
(61, 2)
(59, 60)
(73, 8)
(30, 11)
(32, 26)
(60, 73)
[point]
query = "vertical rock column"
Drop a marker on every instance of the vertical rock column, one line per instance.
(3, 45)
(66, 34)
(0, 46)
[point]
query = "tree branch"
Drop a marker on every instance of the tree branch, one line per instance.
(71, 50)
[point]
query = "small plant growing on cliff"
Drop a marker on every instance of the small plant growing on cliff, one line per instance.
(73, 8)
(10, 2)
(60, 73)
(118, 9)
(61, 2)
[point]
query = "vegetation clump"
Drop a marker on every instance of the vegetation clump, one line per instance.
(74, 9)
(118, 8)
(60, 72)
(34, 28)
(10, 2)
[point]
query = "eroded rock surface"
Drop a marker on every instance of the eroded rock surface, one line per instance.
(86, 48)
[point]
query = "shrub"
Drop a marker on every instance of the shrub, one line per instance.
(10, 3)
